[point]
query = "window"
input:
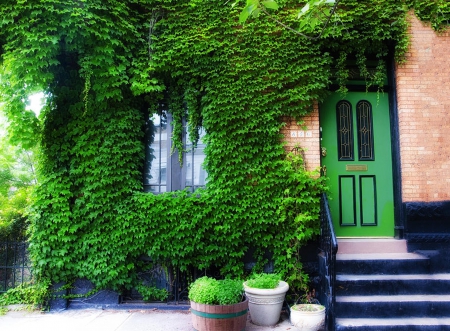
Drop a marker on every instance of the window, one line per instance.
(163, 171)
(365, 131)
(156, 154)
(345, 130)
(195, 175)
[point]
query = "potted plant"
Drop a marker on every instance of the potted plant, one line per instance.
(309, 315)
(265, 293)
(218, 305)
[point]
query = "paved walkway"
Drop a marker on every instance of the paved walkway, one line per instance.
(111, 320)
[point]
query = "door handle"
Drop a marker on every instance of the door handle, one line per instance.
(324, 170)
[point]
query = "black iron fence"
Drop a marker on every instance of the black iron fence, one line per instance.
(170, 278)
(15, 266)
(329, 248)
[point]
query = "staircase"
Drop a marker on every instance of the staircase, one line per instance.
(380, 286)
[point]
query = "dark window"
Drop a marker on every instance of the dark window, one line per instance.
(345, 130)
(157, 153)
(163, 171)
(365, 131)
(195, 175)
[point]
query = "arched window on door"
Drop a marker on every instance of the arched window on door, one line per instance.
(365, 131)
(344, 120)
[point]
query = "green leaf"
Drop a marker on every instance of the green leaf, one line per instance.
(303, 11)
(247, 11)
(256, 12)
(270, 4)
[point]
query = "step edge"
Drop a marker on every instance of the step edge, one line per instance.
(393, 298)
(392, 277)
(381, 257)
(406, 321)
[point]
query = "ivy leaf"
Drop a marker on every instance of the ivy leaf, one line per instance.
(303, 11)
(256, 12)
(270, 4)
(247, 11)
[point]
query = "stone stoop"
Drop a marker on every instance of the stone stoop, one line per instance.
(371, 246)
(387, 288)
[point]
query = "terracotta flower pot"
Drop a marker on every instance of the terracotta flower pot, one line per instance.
(308, 317)
(219, 318)
(265, 304)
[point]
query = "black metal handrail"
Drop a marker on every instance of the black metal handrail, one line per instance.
(329, 247)
(15, 267)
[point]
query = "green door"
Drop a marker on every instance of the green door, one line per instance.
(356, 156)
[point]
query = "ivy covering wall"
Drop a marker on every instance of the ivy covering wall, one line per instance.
(105, 64)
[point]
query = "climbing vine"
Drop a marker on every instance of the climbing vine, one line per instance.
(105, 64)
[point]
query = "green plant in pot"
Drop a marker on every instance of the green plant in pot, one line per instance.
(266, 293)
(308, 315)
(218, 305)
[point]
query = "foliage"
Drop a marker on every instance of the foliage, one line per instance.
(33, 294)
(312, 14)
(263, 280)
(104, 64)
(210, 291)
(254, 7)
(13, 220)
(17, 177)
(437, 12)
(152, 293)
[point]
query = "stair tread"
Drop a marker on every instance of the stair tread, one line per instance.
(393, 321)
(371, 245)
(394, 298)
(380, 256)
(370, 240)
(355, 277)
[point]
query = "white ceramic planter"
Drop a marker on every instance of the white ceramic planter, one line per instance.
(265, 304)
(308, 317)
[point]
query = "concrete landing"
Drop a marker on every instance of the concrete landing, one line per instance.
(371, 246)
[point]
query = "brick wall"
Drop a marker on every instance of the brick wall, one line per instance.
(307, 136)
(423, 95)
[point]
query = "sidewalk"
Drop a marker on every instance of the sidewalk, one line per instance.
(111, 320)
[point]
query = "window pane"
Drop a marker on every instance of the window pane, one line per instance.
(365, 131)
(155, 177)
(195, 174)
(345, 130)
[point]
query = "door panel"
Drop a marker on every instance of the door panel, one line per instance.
(347, 200)
(368, 200)
(356, 145)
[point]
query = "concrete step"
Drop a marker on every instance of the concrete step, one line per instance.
(393, 324)
(371, 246)
(382, 263)
(393, 284)
(390, 306)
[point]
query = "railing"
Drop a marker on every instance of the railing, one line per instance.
(171, 278)
(329, 247)
(15, 266)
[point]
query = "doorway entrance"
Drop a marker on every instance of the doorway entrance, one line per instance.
(357, 159)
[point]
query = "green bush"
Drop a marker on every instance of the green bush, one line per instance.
(210, 291)
(152, 293)
(33, 294)
(13, 218)
(264, 281)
